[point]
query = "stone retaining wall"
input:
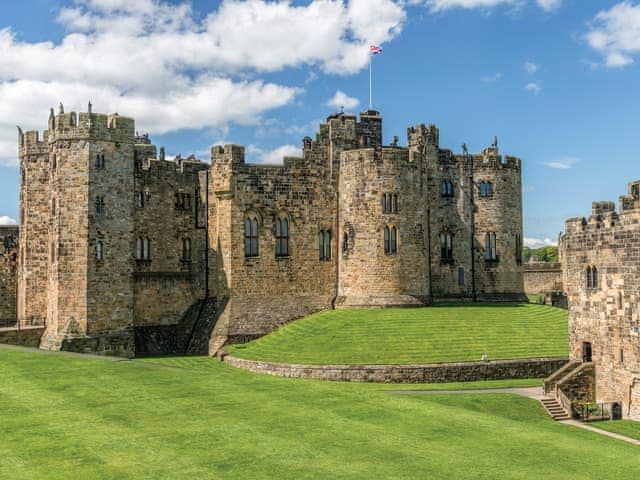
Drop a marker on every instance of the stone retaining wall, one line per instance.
(425, 373)
(26, 337)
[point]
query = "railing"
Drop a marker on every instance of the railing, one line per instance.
(595, 411)
(21, 323)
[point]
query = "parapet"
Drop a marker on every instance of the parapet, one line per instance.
(422, 135)
(230, 153)
(601, 208)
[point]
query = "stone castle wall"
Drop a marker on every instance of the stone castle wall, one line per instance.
(542, 277)
(8, 272)
(94, 191)
(606, 314)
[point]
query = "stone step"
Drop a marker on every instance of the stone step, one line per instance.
(554, 409)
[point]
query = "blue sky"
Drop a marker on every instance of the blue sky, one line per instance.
(555, 80)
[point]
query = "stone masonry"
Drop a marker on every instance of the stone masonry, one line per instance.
(601, 267)
(113, 236)
(8, 273)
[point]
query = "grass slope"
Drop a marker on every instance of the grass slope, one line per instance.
(66, 417)
(448, 333)
(628, 428)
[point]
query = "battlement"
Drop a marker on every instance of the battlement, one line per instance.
(230, 153)
(423, 135)
(157, 166)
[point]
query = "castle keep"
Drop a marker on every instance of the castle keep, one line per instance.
(123, 251)
(602, 279)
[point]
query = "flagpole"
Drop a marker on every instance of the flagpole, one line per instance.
(370, 82)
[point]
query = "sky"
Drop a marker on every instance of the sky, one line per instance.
(555, 80)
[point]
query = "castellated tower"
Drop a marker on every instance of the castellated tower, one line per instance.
(83, 201)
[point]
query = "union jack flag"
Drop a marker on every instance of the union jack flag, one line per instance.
(375, 50)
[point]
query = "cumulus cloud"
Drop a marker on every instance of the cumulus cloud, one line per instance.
(530, 67)
(272, 157)
(440, 5)
(4, 220)
(159, 62)
(563, 163)
(342, 100)
(538, 242)
(533, 87)
(615, 34)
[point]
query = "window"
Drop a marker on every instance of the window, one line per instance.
(53, 208)
(138, 248)
(99, 250)
(389, 203)
(100, 161)
(592, 277)
(282, 237)
(394, 203)
(146, 249)
(140, 199)
(345, 243)
(54, 162)
(251, 237)
(99, 205)
(490, 250)
(486, 189)
(186, 250)
(518, 249)
(446, 246)
(390, 240)
(324, 243)
(461, 276)
(183, 201)
(384, 203)
(446, 188)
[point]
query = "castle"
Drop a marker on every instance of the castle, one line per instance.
(601, 269)
(124, 252)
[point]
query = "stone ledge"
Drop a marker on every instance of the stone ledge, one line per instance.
(420, 373)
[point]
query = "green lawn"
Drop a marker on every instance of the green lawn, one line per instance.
(443, 333)
(629, 428)
(65, 417)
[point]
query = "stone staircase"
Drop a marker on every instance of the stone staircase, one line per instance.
(554, 409)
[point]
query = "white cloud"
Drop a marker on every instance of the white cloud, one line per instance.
(4, 220)
(341, 99)
(533, 88)
(615, 34)
(537, 242)
(549, 5)
(496, 77)
(158, 62)
(530, 67)
(272, 157)
(563, 163)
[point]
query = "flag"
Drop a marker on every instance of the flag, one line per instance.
(375, 50)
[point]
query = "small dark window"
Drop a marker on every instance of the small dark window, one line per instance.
(140, 199)
(394, 203)
(186, 250)
(387, 240)
(461, 276)
(99, 250)
(446, 189)
(146, 249)
(394, 240)
(388, 205)
(390, 240)
(282, 237)
(621, 355)
(100, 161)
(54, 163)
(446, 246)
(99, 205)
(490, 248)
(486, 189)
(345, 243)
(139, 249)
(251, 237)
(384, 203)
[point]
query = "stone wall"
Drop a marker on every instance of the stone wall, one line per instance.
(430, 373)
(25, 337)
(542, 277)
(606, 314)
(8, 271)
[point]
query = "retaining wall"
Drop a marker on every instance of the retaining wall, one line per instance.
(424, 373)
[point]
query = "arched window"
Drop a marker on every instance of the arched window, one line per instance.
(446, 188)
(384, 203)
(324, 243)
(251, 237)
(394, 203)
(490, 248)
(146, 249)
(390, 240)
(186, 249)
(388, 205)
(99, 250)
(446, 246)
(100, 161)
(139, 249)
(282, 237)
